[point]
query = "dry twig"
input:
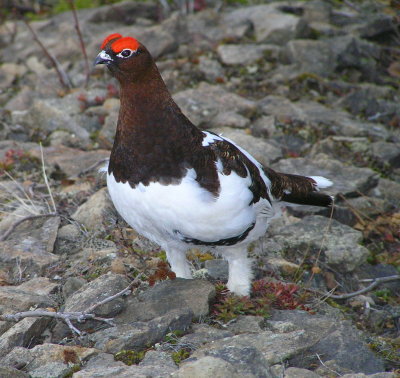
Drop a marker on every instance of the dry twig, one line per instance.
(19, 221)
(62, 75)
(82, 44)
(374, 283)
(68, 317)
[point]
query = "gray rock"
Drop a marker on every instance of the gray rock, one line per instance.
(97, 290)
(241, 54)
(102, 361)
(107, 131)
(212, 28)
(127, 10)
(206, 367)
(265, 126)
(155, 364)
(167, 296)
(21, 298)
(347, 180)
(22, 333)
(94, 212)
(310, 56)
(157, 358)
(139, 335)
(202, 104)
(377, 375)
(376, 26)
(341, 148)
(28, 250)
(9, 372)
(331, 338)
(202, 334)
(70, 239)
(160, 41)
(230, 119)
(69, 232)
(217, 269)
(9, 72)
(340, 244)
(317, 10)
(294, 372)
(248, 360)
(50, 115)
(211, 68)
(263, 151)
(247, 324)
(47, 360)
(386, 153)
(72, 284)
(69, 161)
(374, 102)
(388, 190)
(280, 28)
(274, 347)
(319, 117)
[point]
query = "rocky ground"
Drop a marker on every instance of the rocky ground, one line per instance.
(307, 87)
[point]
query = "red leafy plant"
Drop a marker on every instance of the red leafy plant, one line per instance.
(16, 159)
(162, 273)
(265, 295)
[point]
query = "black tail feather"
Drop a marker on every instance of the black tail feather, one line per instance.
(312, 199)
(296, 189)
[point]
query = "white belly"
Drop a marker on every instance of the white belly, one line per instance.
(160, 211)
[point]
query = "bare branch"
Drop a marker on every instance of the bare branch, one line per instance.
(135, 282)
(62, 76)
(375, 282)
(19, 221)
(82, 44)
(68, 317)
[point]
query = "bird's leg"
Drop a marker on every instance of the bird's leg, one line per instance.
(240, 273)
(179, 264)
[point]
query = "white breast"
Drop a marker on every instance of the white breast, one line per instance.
(156, 210)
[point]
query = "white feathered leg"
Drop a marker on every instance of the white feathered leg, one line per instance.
(240, 273)
(179, 264)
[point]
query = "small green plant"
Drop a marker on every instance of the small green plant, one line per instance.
(73, 369)
(384, 294)
(180, 355)
(386, 348)
(129, 357)
(172, 337)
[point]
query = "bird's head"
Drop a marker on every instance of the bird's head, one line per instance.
(125, 57)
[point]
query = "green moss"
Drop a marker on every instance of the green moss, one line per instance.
(384, 294)
(172, 337)
(386, 348)
(162, 256)
(180, 355)
(334, 304)
(73, 369)
(129, 357)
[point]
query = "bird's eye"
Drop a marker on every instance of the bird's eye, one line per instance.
(125, 53)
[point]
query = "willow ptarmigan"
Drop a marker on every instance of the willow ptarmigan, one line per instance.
(182, 187)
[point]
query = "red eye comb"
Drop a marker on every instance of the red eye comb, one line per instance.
(125, 43)
(110, 38)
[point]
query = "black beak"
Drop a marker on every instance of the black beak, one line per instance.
(102, 58)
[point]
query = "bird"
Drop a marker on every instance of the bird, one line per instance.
(183, 187)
